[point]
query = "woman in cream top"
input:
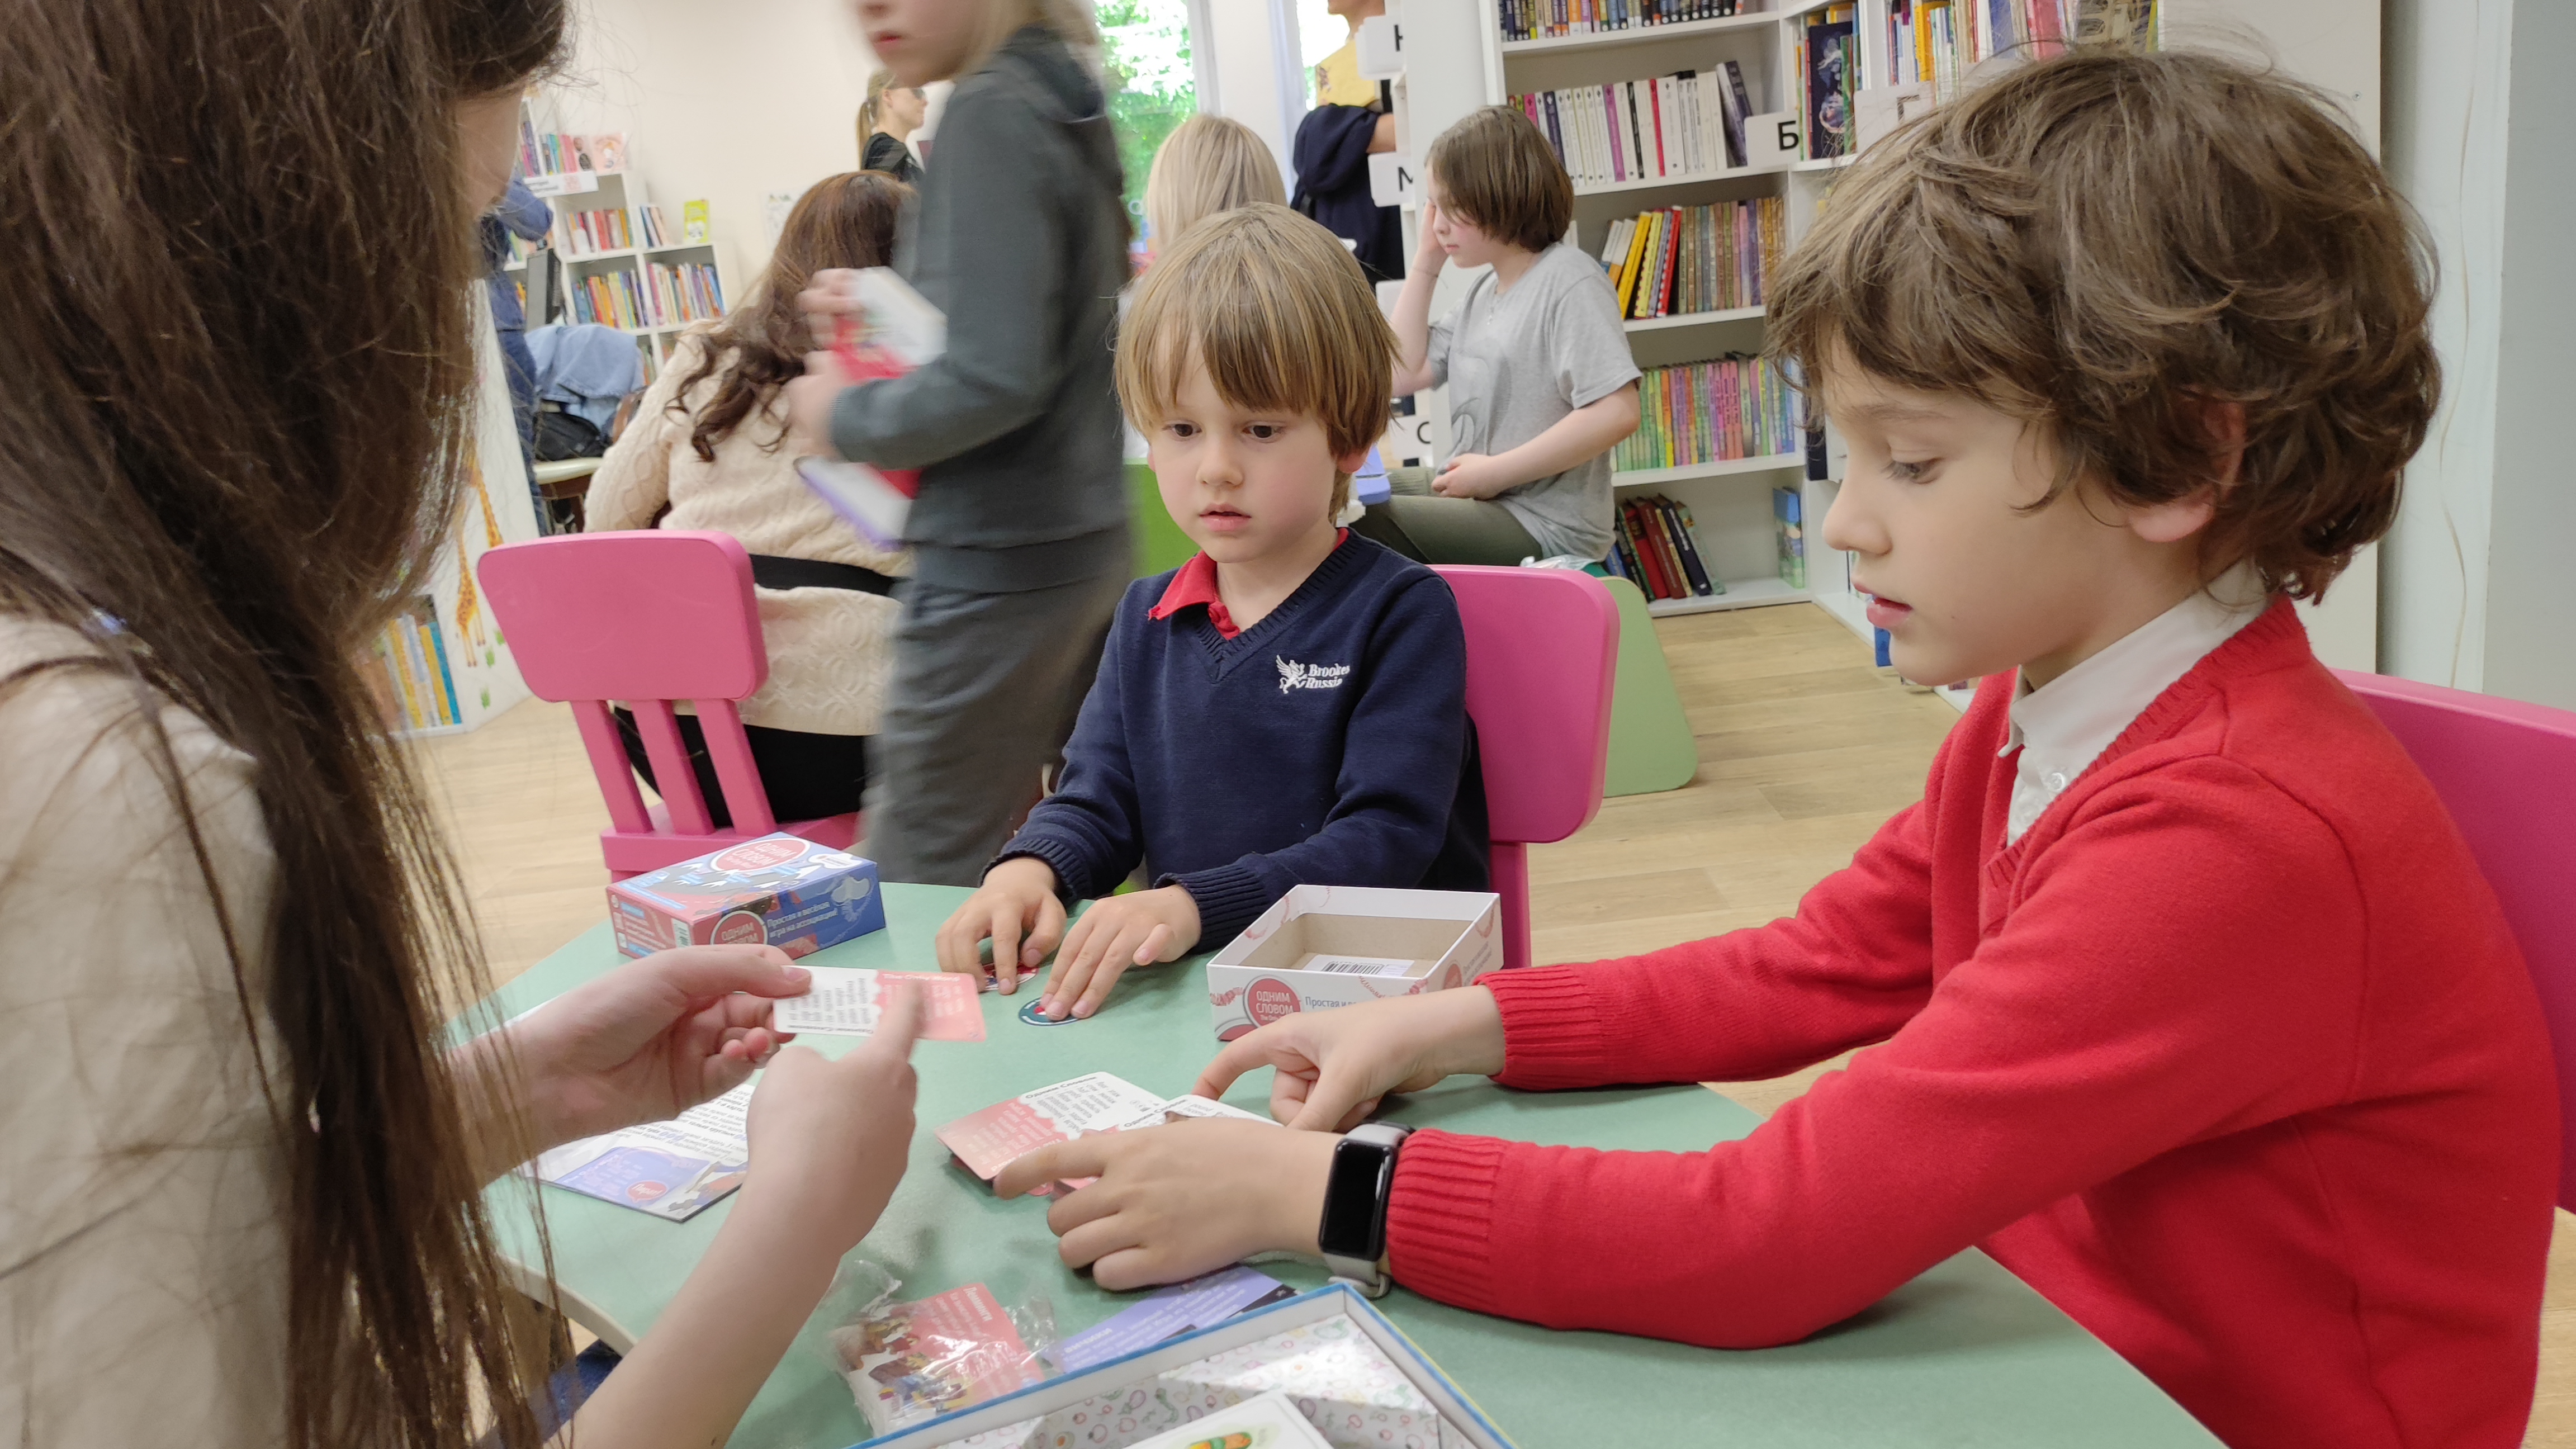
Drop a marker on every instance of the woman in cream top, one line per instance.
(242, 1154)
(708, 445)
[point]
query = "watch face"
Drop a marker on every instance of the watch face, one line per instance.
(1352, 1225)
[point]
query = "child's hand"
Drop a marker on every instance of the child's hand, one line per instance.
(1116, 933)
(1335, 1066)
(1182, 1199)
(1472, 475)
(648, 1040)
(1428, 255)
(1017, 911)
(829, 1138)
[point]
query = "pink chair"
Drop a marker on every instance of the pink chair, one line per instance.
(1542, 646)
(648, 618)
(2507, 771)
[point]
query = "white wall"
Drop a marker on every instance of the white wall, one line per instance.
(722, 103)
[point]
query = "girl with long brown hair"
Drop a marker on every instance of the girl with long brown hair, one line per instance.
(707, 445)
(238, 1157)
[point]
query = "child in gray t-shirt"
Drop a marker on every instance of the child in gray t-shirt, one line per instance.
(1541, 385)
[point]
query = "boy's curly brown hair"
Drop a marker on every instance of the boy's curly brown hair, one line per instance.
(2103, 244)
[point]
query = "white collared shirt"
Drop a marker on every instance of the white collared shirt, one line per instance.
(2063, 728)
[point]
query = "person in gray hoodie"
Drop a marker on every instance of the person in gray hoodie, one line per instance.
(1019, 533)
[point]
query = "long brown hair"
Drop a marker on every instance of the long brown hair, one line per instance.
(239, 316)
(842, 221)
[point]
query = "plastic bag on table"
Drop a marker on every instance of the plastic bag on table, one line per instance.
(910, 1361)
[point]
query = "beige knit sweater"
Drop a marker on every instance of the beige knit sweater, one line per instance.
(830, 650)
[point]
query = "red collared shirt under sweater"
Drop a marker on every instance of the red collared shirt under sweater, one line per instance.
(2230, 1055)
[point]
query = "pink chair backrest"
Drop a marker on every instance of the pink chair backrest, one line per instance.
(1542, 645)
(649, 618)
(2507, 772)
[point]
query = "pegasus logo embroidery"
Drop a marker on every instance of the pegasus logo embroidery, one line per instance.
(1293, 675)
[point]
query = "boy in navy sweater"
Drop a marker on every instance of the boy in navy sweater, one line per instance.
(1290, 705)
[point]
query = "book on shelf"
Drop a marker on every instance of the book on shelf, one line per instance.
(613, 299)
(1709, 412)
(1829, 68)
(689, 292)
(693, 223)
(556, 153)
(588, 233)
(1655, 545)
(1936, 41)
(1678, 260)
(1789, 526)
(1540, 19)
(1690, 123)
(409, 674)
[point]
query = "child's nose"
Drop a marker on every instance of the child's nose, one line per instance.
(1850, 525)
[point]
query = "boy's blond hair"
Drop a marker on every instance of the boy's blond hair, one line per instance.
(1207, 165)
(2102, 242)
(1497, 172)
(1277, 310)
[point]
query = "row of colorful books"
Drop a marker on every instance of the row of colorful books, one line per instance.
(1689, 123)
(553, 153)
(1710, 412)
(408, 674)
(1684, 259)
(1937, 40)
(689, 292)
(1534, 19)
(613, 299)
(583, 233)
(1655, 548)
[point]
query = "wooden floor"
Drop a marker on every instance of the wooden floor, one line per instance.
(1804, 750)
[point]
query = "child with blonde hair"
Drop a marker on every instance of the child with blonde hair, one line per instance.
(1255, 363)
(2181, 995)
(1207, 165)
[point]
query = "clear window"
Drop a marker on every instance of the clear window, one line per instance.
(1145, 52)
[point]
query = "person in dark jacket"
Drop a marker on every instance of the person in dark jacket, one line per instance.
(525, 215)
(887, 119)
(1348, 125)
(1019, 533)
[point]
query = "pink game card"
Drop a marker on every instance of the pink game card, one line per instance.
(845, 1002)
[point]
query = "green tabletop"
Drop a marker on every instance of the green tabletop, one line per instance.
(1964, 1354)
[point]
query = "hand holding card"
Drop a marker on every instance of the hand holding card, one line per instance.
(844, 1002)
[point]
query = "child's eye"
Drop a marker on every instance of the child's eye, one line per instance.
(1265, 431)
(1182, 430)
(1904, 472)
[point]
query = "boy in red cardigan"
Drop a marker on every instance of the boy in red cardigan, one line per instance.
(2188, 1003)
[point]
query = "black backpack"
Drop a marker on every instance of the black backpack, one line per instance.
(562, 435)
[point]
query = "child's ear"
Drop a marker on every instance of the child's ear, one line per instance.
(1350, 462)
(2223, 425)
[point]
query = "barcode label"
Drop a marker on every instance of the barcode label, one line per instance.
(1362, 965)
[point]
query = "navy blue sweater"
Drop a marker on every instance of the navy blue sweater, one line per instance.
(1326, 745)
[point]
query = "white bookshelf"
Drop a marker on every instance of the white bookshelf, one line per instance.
(1729, 500)
(657, 329)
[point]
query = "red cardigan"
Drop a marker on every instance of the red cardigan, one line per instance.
(2231, 1056)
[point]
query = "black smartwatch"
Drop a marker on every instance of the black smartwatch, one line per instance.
(1353, 1235)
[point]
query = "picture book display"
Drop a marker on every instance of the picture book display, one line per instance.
(845, 1002)
(673, 1169)
(1829, 64)
(780, 889)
